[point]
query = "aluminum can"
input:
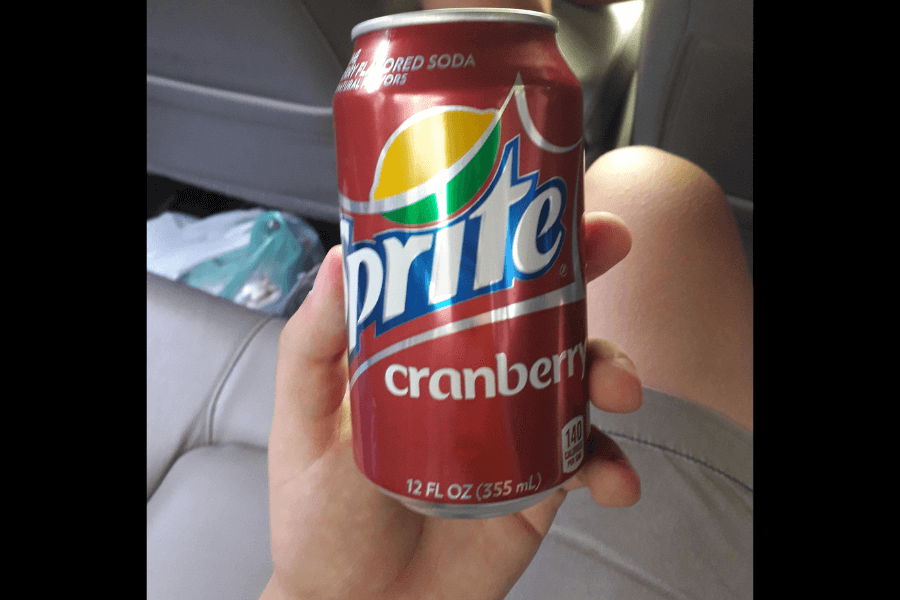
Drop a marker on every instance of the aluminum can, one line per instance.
(460, 170)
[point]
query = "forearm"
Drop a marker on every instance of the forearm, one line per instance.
(538, 5)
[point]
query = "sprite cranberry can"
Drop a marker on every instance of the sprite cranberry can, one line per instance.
(460, 170)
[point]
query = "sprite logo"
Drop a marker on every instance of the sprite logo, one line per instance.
(447, 249)
(435, 163)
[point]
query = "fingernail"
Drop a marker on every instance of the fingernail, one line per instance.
(623, 361)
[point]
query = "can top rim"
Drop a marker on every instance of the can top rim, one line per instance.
(455, 15)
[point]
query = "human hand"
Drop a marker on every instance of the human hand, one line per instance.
(334, 535)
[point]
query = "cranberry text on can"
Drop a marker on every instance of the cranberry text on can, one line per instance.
(460, 168)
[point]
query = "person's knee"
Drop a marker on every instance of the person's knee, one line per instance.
(674, 210)
(681, 303)
(643, 177)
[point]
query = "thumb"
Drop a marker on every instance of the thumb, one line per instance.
(311, 374)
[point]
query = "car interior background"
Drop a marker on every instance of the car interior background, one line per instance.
(239, 117)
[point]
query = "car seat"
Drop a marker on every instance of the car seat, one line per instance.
(239, 100)
(239, 97)
(693, 94)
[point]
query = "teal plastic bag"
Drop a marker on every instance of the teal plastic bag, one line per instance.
(272, 273)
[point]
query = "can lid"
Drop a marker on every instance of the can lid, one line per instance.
(455, 15)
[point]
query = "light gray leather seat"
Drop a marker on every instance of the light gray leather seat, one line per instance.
(210, 390)
(239, 98)
(210, 373)
(694, 95)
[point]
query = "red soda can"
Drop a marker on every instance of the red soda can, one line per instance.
(460, 170)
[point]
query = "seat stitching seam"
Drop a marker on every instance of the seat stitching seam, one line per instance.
(682, 455)
(226, 375)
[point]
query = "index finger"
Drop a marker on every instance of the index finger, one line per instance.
(311, 375)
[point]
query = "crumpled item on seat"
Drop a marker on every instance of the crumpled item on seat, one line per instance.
(264, 260)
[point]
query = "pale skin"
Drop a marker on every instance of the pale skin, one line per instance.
(334, 535)
(687, 296)
(681, 303)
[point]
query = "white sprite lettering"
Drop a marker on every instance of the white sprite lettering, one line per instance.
(399, 257)
(526, 255)
(505, 221)
(375, 273)
(493, 213)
